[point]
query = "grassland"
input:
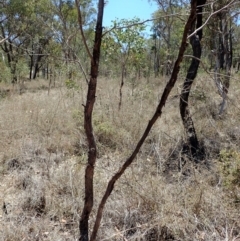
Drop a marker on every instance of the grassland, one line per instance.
(43, 154)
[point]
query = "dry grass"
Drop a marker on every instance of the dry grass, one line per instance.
(43, 154)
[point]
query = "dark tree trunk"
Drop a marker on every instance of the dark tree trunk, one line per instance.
(40, 55)
(92, 149)
(31, 67)
(192, 148)
(31, 64)
(37, 66)
(221, 49)
(121, 85)
(192, 140)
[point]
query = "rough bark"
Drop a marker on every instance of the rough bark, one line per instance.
(156, 115)
(192, 148)
(92, 149)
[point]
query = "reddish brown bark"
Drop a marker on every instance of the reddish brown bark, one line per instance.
(92, 149)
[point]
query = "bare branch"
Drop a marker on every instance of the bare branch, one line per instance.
(81, 29)
(210, 74)
(142, 22)
(3, 40)
(211, 15)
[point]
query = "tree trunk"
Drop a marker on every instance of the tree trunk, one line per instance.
(192, 149)
(31, 67)
(121, 85)
(92, 149)
(31, 62)
(223, 57)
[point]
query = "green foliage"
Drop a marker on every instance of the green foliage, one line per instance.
(199, 95)
(169, 29)
(5, 73)
(127, 32)
(69, 13)
(21, 68)
(26, 25)
(71, 84)
(106, 134)
(125, 44)
(230, 170)
(50, 29)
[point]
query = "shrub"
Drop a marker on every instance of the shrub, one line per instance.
(5, 73)
(230, 170)
(70, 84)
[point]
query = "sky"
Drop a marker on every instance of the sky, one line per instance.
(128, 9)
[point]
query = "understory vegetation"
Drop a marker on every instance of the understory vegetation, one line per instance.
(43, 154)
(117, 132)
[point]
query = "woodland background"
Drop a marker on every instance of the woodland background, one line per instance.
(184, 183)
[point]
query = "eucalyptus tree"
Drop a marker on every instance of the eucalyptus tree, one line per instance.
(221, 42)
(124, 44)
(10, 13)
(236, 46)
(219, 21)
(223, 46)
(22, 24)
(66, 30)
(168, 22)
(40, 36)
(192, 148)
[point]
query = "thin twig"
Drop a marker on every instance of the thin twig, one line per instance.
(81, 30)
(141, 22)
